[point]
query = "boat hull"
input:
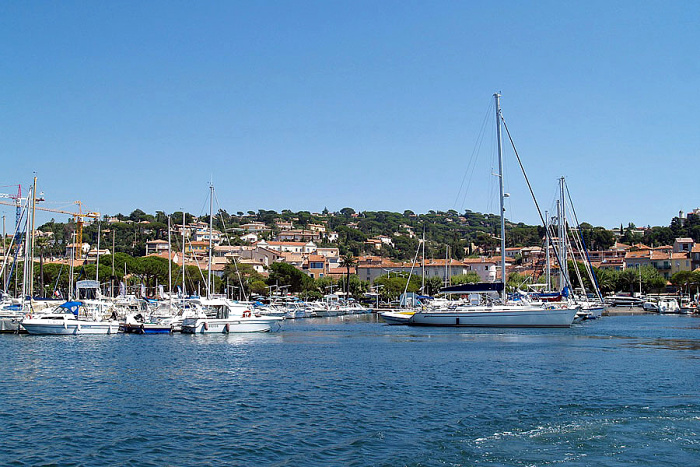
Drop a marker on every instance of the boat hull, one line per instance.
(226, 326)
(496, 318)
(396, 317)
(148, 328)
(69, 327)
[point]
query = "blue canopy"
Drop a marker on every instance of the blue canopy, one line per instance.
(72, 306)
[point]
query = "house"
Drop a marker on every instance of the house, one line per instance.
(374, 242)
(156, 246)
(203, 235)
(667, 263)
(251, 237)
(288, 247)
(369, 268)
(283, 225)
(683, 245)
(255, 227)
(332, 255)
(315, 266)
(513, 252)
(197, 248)
(296, 235)
(695, 257)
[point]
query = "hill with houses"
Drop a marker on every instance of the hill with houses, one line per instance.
(380, 243)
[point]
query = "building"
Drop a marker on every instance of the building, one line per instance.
(296, 235)
(315, 266)
(202, 235)
(156, 247)
(288, 247)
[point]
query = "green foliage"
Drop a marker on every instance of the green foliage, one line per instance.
(286, 274)
(686, 281)
(517, 281)
(468, 278)
(392, 287)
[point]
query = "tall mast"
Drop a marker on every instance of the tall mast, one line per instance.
(31, 243)
(499, 138)
(170, 266)
(211, 226)
(563, 236)
(422, 288)
(549, 267)
(111, 281)
(183, 254)
(97, 265)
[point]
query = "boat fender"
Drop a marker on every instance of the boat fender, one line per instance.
(246, 314)
(65, 324)
(206, 326)
(143, 329)
(228, 328)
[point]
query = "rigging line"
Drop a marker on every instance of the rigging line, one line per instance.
(589, 267)
(228, 239)
(532, 193)
(472, 159)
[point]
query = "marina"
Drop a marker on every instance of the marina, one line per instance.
(351, 390)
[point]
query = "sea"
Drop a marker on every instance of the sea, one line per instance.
(621, 390)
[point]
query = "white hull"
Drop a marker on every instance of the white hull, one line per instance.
(397, 317)
(225, 326)
(69, 327)
(498, 317)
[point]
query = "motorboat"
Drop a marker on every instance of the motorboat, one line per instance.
(223, 316)
(71, 318)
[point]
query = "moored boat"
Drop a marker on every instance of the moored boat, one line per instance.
(69, 318)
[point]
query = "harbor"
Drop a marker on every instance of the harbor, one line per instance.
(392, 234)
(354, 391)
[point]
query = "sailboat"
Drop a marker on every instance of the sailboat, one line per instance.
(497, 313)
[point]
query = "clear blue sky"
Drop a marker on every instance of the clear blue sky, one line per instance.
(376, 105)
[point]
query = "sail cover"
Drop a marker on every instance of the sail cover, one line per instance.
(474, 288)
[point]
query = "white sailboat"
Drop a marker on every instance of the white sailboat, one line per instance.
(498, 313)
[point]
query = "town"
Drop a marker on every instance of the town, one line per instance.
(362, 254)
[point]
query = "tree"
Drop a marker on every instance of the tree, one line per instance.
(347, 212)
(468, 278)
(286, 274)
(153, 270)
(393, 287)
(347, 261)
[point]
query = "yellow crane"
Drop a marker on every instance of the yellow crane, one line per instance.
(77, 216)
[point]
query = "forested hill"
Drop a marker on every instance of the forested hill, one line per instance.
(465, 234)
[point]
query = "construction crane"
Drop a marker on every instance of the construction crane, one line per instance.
(77, 216)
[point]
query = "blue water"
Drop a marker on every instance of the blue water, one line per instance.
(621, 390)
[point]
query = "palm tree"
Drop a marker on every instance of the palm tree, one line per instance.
(347, 261)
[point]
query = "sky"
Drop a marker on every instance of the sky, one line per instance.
(374, 105)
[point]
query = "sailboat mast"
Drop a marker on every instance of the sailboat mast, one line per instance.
(422, 286)
(211, 225)
(565, 234)
(499, 138)
(31, 243)
(549, 266)
(170, 267)
(183, 255)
